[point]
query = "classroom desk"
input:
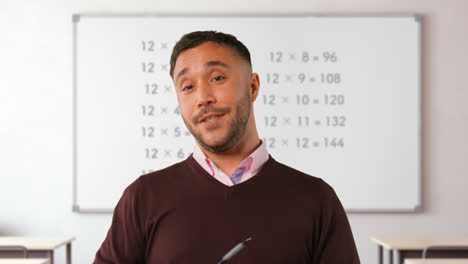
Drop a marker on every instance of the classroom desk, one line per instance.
(24, 261)
(436, 261)
(39, 246)
(413, 247)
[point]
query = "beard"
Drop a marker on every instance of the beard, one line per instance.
(236, 128)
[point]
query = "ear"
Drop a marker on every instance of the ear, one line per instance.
(254, 85)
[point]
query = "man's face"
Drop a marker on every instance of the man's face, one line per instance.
(212, 86)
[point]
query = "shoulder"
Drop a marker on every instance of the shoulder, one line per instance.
(287, 173)
(163, 178)
(302, 181)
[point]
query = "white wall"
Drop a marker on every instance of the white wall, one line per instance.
(36, 116)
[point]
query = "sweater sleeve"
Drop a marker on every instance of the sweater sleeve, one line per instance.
(335, 243)
(125, 241)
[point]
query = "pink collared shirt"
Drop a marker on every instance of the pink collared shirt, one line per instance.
(248, 168)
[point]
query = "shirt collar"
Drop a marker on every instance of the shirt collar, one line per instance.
(254, 161)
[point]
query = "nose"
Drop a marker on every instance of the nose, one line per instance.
(205, 95)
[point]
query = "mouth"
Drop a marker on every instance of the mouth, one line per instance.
(211, 118)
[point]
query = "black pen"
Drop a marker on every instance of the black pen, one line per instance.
(234, 251)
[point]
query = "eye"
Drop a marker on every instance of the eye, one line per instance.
(219, 78)
(188, 87)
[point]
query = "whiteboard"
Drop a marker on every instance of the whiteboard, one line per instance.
(339, 99)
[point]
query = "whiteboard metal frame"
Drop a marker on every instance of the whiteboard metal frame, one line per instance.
(77, 17)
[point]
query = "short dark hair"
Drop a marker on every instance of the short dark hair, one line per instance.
(196, 38)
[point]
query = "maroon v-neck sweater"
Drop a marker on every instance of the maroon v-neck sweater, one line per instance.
(181, 214)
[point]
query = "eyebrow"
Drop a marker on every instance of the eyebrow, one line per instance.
(207, 64)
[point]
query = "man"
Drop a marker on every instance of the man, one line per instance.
(230, 189)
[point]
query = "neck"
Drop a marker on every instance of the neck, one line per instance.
(229, 160)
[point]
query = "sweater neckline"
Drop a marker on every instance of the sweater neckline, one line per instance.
(203, 173)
